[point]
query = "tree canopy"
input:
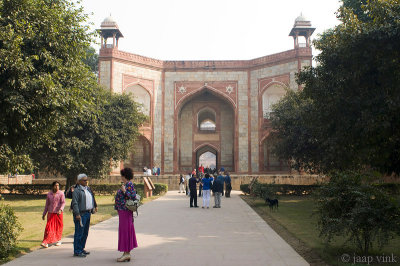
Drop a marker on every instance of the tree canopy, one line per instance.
(91, 142)
(347, 114)
(43, 81)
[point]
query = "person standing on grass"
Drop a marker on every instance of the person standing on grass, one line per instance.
(126, 230)
(83, 205)
(55, 203)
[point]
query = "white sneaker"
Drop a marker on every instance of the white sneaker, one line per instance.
(44, 245)
(58, 243)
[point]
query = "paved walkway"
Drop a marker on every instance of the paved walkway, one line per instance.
(171, 233)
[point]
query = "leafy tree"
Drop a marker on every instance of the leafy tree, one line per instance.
(347, 115)
(43, 81)
(92, 59)
(363, 213)
(91, 142)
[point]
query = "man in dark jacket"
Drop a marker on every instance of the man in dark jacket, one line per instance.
(193, 191)
(218, 189)
(228, 185)
(83, 205)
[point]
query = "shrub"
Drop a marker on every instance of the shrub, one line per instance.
(105, 189)
(391, 188)
(271, 190)
(139, 186)
(361, 212)
(245, 188)
(160, 189)
(9, 230)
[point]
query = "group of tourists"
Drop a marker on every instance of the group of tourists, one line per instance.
(151, 171)
(83, 205)
(207, 183)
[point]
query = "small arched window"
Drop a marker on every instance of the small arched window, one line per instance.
(206, 120)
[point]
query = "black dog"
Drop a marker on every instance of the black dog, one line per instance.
(272, 203)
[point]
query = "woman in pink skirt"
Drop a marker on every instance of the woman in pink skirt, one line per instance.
(54, 208)
(126, 230)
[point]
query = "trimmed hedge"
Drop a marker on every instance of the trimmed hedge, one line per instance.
(270, 190)
(264, 190)
(160, 189)
(27, 189)
(101, 189)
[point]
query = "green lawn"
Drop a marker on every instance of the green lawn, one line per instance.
(29, 211)
(295, 215)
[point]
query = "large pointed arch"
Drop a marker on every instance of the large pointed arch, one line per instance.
(188, 136)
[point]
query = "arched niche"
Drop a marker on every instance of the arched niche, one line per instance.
(140, 95)
(271, 96)
(140, 156)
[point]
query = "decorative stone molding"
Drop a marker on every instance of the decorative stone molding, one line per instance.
(182, 89)
(264, 83)
(229, 89)
(185, 89)
(128, 80)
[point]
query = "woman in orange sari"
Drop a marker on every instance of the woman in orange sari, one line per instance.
(54, 208)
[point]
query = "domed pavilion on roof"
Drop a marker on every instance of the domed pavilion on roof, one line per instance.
(196, 108)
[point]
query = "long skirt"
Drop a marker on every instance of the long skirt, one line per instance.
(126, 232)
(54, 228)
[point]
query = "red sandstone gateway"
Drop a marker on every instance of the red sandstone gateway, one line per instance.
(220, 108)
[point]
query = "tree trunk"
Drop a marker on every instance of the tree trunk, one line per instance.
(70, 181)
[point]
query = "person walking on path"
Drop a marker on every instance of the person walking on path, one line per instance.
(126, 230)
(83, 205)
(193, 191)
(55, 203)
(181, 184)
(187, 178)
(206, 182)
(218, 188)
(228, 185)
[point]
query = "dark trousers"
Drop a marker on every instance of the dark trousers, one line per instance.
(193, 197)
(200, 188)
(228, 191)
(81, 232)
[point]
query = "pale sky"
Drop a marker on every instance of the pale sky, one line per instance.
(210, 29)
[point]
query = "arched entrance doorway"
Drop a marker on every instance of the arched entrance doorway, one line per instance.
(207, 156)
(205, 119)
(140, 157)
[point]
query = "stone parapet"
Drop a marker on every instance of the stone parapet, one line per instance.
(206, 65)
(20, 179)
